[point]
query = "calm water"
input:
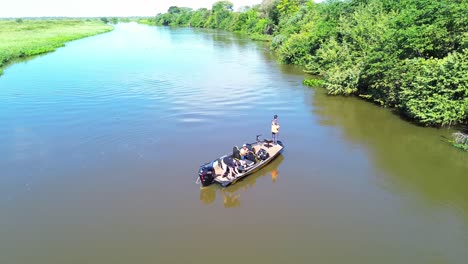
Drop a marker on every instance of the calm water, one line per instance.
(101, 140)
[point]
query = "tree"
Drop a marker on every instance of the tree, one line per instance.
(268, 9)
(174, 10)
(199, 17)
(286, 7)
(222, 6)
(435, 91)
(221, 16)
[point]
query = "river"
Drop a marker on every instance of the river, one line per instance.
(101, 141)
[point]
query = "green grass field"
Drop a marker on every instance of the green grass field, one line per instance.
(23, 38)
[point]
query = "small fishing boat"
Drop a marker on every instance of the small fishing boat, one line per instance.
(230, 168)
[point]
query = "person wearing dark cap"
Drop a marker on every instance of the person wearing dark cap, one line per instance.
(275, 129)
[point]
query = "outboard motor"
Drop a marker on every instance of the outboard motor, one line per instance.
(206, 174)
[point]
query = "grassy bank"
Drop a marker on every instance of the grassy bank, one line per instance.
(23, 38)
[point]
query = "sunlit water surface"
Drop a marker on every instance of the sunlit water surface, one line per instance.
(100, 143)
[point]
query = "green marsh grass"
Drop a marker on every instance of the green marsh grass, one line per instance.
(32, 37)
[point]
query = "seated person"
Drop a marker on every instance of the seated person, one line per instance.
(244, 151)
(247, 154)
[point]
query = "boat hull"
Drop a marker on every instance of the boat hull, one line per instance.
(219, 171)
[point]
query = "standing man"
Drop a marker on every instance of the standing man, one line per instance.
(275, 129)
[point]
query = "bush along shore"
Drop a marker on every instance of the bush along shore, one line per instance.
(460, 140)
(22, 38)
(410, 55)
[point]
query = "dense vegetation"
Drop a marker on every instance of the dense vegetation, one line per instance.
(22, 37)
(410, 55)
(460, 140)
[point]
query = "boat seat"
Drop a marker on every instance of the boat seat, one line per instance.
(245, 164)
(236, 153)
(268, 142)
(248, 163)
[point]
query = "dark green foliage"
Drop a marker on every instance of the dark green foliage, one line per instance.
(221, 15)
(435, 91)
(174, 10)
(296, 49)
(253, 20)
(184, 17)
(287, 7)
(19, 20)
(222, 6)
(408, 54)
(105, 20)
(428, 28)
(269, 10)
(164, 19)
(245, 21)
(199, 17)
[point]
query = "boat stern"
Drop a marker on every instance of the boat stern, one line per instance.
(206, 174)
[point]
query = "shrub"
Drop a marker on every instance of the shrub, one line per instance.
(435, 91)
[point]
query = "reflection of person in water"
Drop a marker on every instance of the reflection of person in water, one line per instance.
(231, 194)
(274, 175)
(230, 200)
(208, 195)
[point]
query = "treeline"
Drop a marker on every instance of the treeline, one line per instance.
(115, 20)
(410, 55)
(256, 21)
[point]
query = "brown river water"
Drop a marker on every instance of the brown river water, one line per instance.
(101, 142)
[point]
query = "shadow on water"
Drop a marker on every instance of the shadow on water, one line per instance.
(415, 160)
(231, 195)
(464, 129)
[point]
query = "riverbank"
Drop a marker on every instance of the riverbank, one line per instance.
(407, 55)
(24, 38)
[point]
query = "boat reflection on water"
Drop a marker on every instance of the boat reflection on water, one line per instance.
(231, 195)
